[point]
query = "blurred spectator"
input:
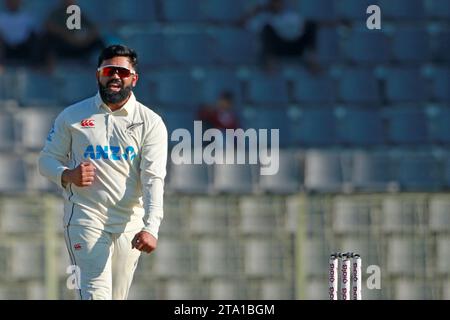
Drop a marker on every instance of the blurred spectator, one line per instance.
(66, 43)
(284, 33)
(221, 115)
(18, 35)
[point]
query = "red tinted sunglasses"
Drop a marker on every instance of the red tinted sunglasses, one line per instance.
(109, 71)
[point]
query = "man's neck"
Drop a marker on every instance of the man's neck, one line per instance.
(117, 106)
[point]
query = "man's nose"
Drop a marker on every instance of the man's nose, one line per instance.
(115, 75)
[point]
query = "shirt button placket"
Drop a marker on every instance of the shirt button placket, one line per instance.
(111, 125)
(106, 126)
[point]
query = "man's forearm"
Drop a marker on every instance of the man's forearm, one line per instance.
(51, 168)
(65, 178)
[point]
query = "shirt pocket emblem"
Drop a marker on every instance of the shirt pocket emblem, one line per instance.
(131, 127)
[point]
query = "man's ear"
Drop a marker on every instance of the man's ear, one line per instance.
(97, 75)
(135, 80)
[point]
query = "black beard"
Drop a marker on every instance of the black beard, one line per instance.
(113, 97)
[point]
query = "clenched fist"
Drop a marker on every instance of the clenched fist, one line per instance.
(144, 241)
(81, 176)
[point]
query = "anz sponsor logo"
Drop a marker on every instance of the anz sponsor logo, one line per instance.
(109, 152)
(50, 133)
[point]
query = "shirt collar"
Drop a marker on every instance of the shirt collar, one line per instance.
(125, 110)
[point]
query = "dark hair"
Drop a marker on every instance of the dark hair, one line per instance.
(118, 50)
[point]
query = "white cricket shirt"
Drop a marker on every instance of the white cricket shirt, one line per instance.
(128, 147)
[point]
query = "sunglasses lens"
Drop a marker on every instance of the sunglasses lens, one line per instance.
(123, 73)
(110, 71)
(107, 72)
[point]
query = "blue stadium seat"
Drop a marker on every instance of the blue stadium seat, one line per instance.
(419, 173)
(35, 124)
(189, 47)
(226, 289)
(181, 10)
(442, 46)
(358, 85)
(119, 12)
(327, 47)
(150, 48)
(38, 89)
(177, 119)
(23, 216)
(447, 172)
(261, 118)
(216, 81)
(323, 171)
(439, 220)
(406, 125)
(443, 254)
(439, 125)
(367, 46)
(235, 46)
(96, 11)
(315, 248)
(12, 171)
(188, 178)
(276, 290)
(177, 88)
(360, 127)
(133, 11)
(371, 171)
(180, 290)
(263, 258)
(7, 131)
(411, 44)
(217, 258)
(145, 90)
(6, 91)
(79, 86)
(314, 127)
(354, 9)
(39, 9)
(210, 216)
(405, 289)
(233, 178)
(402, 259)
(405, 85)
(363, 244)
(288, 178)
(400, 214)
(441, 85)
(259, 215)
(439, 9)
(34, 178)
(350, 217)
(220, 11)
(411, 10)
(319, 10)
(265, 89)
(174, 260)
(309, 88)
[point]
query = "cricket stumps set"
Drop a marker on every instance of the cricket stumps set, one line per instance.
(349, 275)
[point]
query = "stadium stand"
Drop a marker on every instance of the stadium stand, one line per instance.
(439, 215)
(360, 127)
(363, 162)
(371, 171)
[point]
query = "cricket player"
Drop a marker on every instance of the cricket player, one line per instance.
(108, 153)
